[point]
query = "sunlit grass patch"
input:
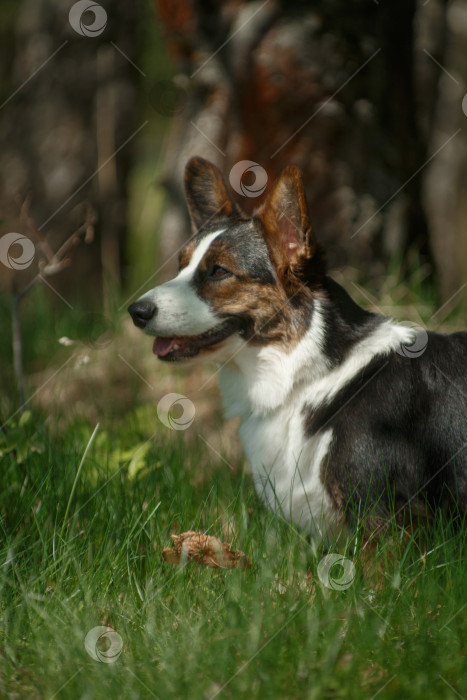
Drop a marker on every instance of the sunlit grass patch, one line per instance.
(76, 561)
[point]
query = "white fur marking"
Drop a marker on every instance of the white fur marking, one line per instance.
(287, 471)
(384, 339)
(270, 372)
(180, 311)
(199, 253)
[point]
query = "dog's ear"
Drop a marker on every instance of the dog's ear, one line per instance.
(285, 219)
(206, 194)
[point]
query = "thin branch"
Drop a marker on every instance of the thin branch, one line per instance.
(42, 242)
(51, 264)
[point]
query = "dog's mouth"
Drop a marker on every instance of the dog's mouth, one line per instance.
(172, 349)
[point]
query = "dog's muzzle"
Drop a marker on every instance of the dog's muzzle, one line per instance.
(141, 312)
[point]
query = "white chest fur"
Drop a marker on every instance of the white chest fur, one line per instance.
(269, 390)
(285, 465)
(286, 468)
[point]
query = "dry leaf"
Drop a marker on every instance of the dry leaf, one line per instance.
(204, 549)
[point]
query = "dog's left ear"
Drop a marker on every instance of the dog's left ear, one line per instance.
(206, 194)
(285, 219)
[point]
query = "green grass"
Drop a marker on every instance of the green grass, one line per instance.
(82, 548)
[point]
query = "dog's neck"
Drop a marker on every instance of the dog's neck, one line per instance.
(258, 379)
(341, 339)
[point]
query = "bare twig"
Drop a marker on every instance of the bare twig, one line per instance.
(25, 217)
(50, 263)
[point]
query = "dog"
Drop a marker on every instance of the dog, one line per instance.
(345, 414)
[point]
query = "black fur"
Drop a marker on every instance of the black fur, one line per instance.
(400, 425)
(346, 323)
(248, 247)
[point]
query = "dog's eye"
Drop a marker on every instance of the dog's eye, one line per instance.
(218, 272)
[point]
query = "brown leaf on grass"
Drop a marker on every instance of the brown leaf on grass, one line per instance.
(204, 549)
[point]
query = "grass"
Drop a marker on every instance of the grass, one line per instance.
(81, 543)
(83, 521)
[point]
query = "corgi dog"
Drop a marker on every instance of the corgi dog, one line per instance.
(343, 412)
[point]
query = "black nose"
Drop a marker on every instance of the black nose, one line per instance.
(141, 312)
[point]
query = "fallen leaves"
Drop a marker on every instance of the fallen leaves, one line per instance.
(204, 549)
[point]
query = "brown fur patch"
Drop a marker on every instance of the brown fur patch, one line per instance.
(206, 194)
(333, 488)
(286, 221)
(270, 314)
(185, 255)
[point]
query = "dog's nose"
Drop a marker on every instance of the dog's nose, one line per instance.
(141, 312)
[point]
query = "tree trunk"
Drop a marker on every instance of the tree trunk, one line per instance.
(69, 106)
(349, 96)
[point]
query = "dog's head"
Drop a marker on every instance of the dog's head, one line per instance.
(240, 279)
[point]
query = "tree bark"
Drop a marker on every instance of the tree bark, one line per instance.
(349, 96)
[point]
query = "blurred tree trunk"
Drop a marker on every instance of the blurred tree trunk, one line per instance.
(445, 191)
(69, 106)
(350, 94)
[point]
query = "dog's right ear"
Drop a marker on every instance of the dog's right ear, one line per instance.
(206, 194)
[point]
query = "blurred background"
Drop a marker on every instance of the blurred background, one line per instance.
(102, 102)
(102, 105)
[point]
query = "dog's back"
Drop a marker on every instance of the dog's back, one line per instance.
(402, 427)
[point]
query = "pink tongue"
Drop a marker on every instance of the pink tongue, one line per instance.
(162, 346)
